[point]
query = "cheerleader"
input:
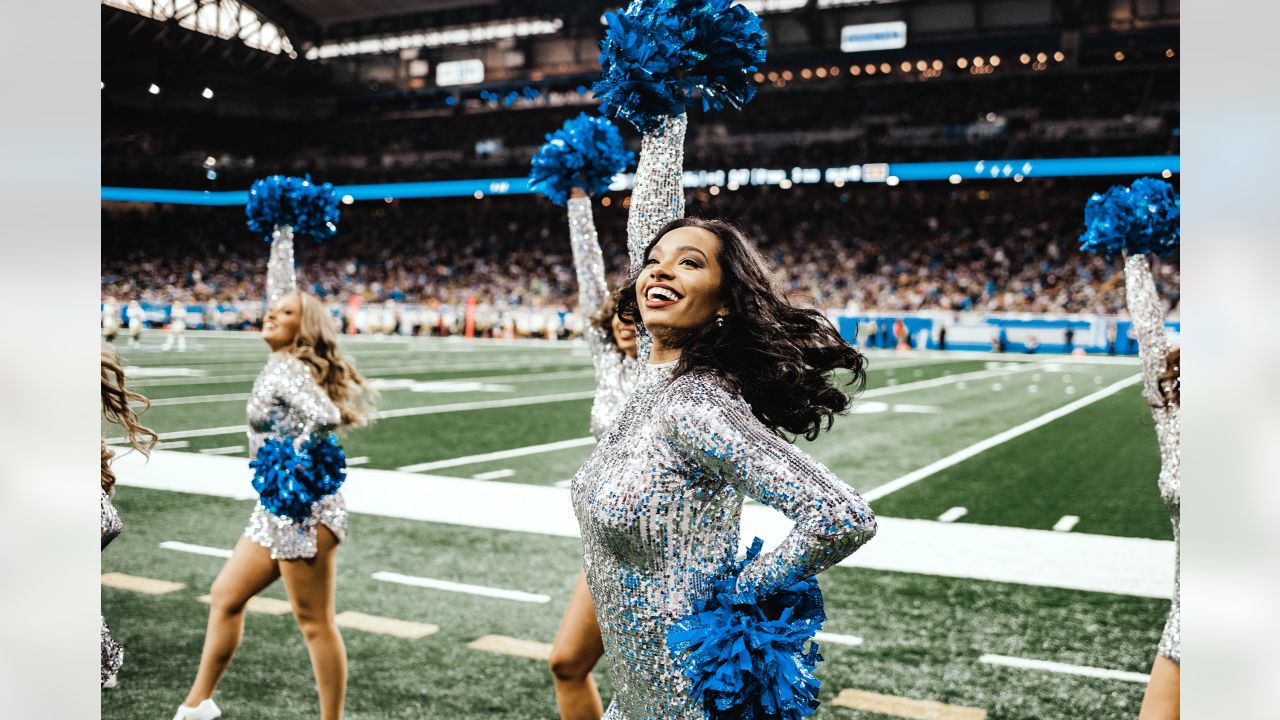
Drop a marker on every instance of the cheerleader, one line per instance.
(110, 319)
(731, 366)
(306, 391)
(177, 328)
(612, 343)
(136, 320)
(1160, 374)
(116, 408)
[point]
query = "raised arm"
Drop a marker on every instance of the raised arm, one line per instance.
(588, 261)
(281, 279)
(1147, 314)
(716, 428)
(657, 196)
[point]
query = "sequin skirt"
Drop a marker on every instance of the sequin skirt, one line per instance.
(112, 654)
(288, 539)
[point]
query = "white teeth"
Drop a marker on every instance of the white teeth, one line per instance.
(658, 293)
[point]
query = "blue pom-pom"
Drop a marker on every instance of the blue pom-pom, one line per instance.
(310, 209)
(585, 152)
(746, 656)
(289, 481)
(1142, 218)
(660, 57)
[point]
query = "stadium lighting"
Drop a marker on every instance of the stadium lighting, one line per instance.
(871, 69)
(820, 72)
(714, 190)
(104, 85)
(937, 65)
(1169, 53)
(962, 63)
(885, 68)
(154, 89)
(806, 73)
(207, 94)
(1119, 56)
(210, 161)
(1166, 174)
(785, 184)
(606, 201)
(347, 199)
(459, 35)
(733, 186)
(1041, 57)
(212, 174)
(906, 66)
(995, 61)
(1024, 58)
(838, 183)
(773, 76)
(1017, 177)
(954, 179)
(386, 200)
(835, 70)
(786, 75)
(922, 65)
(477, 195)
(1059, 56)
(891, 181)
(759, 77)
(979, 61)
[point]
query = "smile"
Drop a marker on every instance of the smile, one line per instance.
(659, 295)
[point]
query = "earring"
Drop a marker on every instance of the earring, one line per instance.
(719, 322)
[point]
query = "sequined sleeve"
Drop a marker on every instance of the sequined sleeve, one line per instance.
(281, 278)
(1147, 315)
(715, 428)
(657, 196)
(592, 286)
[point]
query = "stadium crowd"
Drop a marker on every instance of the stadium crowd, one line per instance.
(990, 246)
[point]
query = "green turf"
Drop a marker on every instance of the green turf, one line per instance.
(1099, 463)
(923, 635)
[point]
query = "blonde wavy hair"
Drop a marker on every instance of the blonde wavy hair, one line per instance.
(116, 408)
(316, 344)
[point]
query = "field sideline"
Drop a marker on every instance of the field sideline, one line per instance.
(973, 448)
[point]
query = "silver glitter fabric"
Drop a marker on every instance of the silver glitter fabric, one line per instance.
(1148, 323)
(286, 403)
(659, 501)
(615, 372)
(280, 274)
(656, 199)
(112, 652)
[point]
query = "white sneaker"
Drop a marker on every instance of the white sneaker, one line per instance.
(206, 710)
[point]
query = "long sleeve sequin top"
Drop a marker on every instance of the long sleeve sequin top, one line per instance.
(287, 404)
(615, 372)
(1147, 314)
(659, 501)
(112, 653)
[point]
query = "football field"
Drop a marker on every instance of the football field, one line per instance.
(1022, 568)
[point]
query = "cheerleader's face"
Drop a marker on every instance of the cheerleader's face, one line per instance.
(280, 327)
(624, 337)
(679, 288)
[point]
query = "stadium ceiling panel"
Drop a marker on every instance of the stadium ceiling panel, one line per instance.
(333, 12)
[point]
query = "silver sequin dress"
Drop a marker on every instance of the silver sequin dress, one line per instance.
(112, 653)
(659, 501)
(615, 372)
(1147, 314)
(286, 403)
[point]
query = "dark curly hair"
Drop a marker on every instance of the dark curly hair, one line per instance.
(603, 318)
(781, 358)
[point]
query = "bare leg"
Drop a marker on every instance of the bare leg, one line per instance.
(1162, 700)
(577, 649)
(310, 583)
(249, 570)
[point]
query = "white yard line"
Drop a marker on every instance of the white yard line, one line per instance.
(494, 474)
(228, 450)
(354, 461)
(838, 639)
(1057, 667)
(983, 445)
(953, 514)
(461, 587)
(1066, 523)
(195, 549)
(499, 455)
(389, 371)
(1075, 561)
(402, 412)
